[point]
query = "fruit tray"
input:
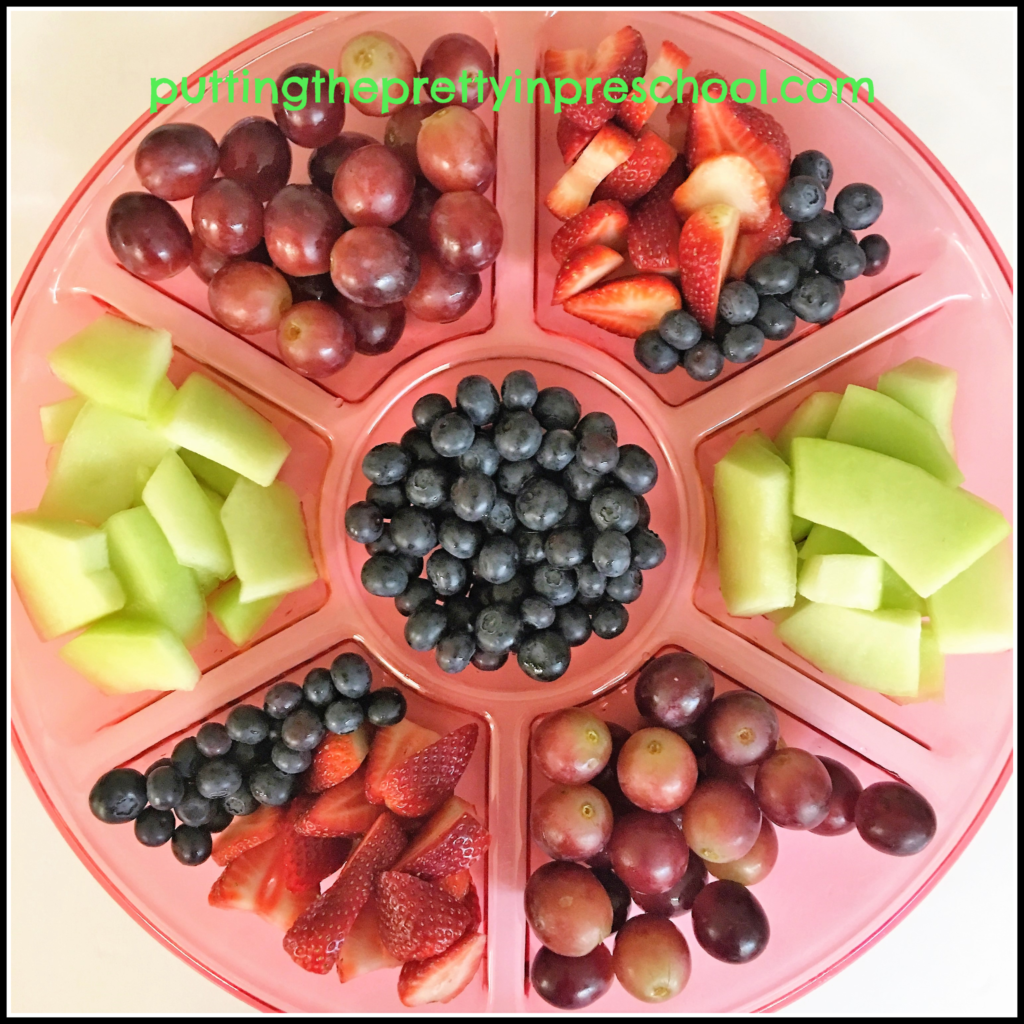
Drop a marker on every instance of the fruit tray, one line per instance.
(947, 284)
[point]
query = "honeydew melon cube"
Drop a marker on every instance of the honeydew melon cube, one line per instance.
(206, 581)
(811, 418)
(928, 532)
(104, 463)
(57, 417)
(267, 536)
(216, 500)
(871, 420)
(62, 572)
(973, 613)
(187, 518)
(237, 621)
(115, 363)
(125, 653)
(853, 581)
(799, 528)
(756, 553)
(878, 650)
(781, 614)
(926, 388)
(205, 418)
(933, 666)
(218, 478)
(157, 586)
(162, 395)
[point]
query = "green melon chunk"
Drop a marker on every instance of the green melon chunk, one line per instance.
(868, 419)
(216, 500)
(811, 418)
(926, 388)
(62, 572)
(125, 653)
(932, 682)
(206, 419)
(853, 581)
(268, 541)
(157, 586)
(973, 613)
(878, 650)
(188, 520)
(162, 395)
(218, 478)
(115, 363)
(781, 614)
(756, 553)
(928, 532)
(798, 527)
(57, 417)
(240, 622)
(207, 582)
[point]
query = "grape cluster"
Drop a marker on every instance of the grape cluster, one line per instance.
(531, 520)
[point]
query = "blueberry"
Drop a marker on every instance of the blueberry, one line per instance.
(386, 464)
(193, 808)
(558, 586)
(388, 499)
(487, 662)
(655, 354)
(843, 261)
(614, 508)
(447, 574)
(773, 275)
(742, 343)
(271, 786)
(519, 390)
(364, 522)
(429, 409)
(775, 320)
(220, 819)
(497, 629)
(847, 236)
(291, 762)
(820, 232)
(679, 329)
(512, 591)
(645, 512)
(318, 687)
(540, 504)
(213, 740)
(498, 559)
(802, 198)
(473, 496)
(609, 620)
(160, 762)
(557, 450)
(187, 757)
(518, 436)
(573, 622)
(413, 531)
(565, 548)
(477, 399)
(580, 482)
(118, 796)
(544, 656)
(815, 299)
(384, 545)
(597, 453)
(460, 612)
(282, 699)
(876, 254)
(576, 514)
(218, 778)
(704, 361)
(416, 443)
(248, 755)
(800, 254)
(814, 163)
(417, 593)
(531, 546)
(557, 407)
(153, 827)
(502, 517)
(303, 729)
(459, 538)
(191, 846)
(247, 723)
(425, 627)
(647, 547)
(412, 564)
(343, 716)
(241, 802)
(385, 706)
(454, 652)
(611, 553)
(626, 588)
(452, 435)
(597, 423)
(636, 470)
(351, 675)
(384, 576)
(480, 457)
(164, 787)
(427, 486)
(537, 612)
(858, 206)
(737, 303)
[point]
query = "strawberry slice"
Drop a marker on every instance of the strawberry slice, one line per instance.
(315, 938)
(753, 246)
(363, 951)
(620, 55)
(239, 884)
(277, 903)
(583, 268)
(628, 306)
(635, 177)
(566, 64)
(391, 746)
(679, 122)
(670, 62)
(247, 832)
(571, 138)
(603, 223)
(417, 919)
(449, 842)
(441, 978)
(726, 178)
(456, 885)
(610, 147)
(421, 783)
(337, 758)
(309, 860)
(667, 183)
(705, 250)
(472, 903)
(653, 236)
(342, 810)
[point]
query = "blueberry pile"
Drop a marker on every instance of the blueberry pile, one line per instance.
(531, 520)
(255, 757)
(806, 278)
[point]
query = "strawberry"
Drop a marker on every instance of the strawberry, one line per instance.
(456, 885)
(239, 884)
(571, 138)
(705, 249)
(315, 938)
(628, 306)
(635, 177)
(276, 902)
(679, 122)
(726, 178)
(566, 64)
(337, 758)
(246, 832)
(342, 810)
(309, 860)
(620, 55)
(583, 268)
(610, 147)
(391, 746)
(417, 919)
(421, 783)
(472, 903)
(635, 113)
(363, 951)
(667, 183)
(604, 222)
(441, 978)
(450, 841)
(753, 246)
(653, 236)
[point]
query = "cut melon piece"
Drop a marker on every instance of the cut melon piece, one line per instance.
(240, 622)
(928, 532)
(115, 363)
(853, 581)
(932, 684)
(205, 418)
(781, 614)
(868, 419)
(125, 653)
(973, 613)
(926, 388)
(268, 541)
(799, 528)
(217, 477)
(104, 463)
(187, 518)
(207, 582)
(158, 404)
(57, 417)
(878, 650)
(63, 573)
(156, 585)
(756, 553)
(811, 418)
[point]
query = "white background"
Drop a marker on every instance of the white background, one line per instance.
(950, 75)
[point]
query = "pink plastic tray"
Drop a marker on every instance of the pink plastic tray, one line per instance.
(945, 293)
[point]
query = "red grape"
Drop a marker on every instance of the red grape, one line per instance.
(893, 818)
(449, 56)
(715, 768)
(455, 151)
(721, 821)
(319, 121)
(373, 266)
(175, 161)
(315, 339)
(466, 231)
(618, 893)
(324, 162)
(312, 288)
(227, 216)
(648, 852)
(657, 770)
(694, 736)
(255, 151)
(402, 130)
(756, 863)
(651, 958)
(373, 187)
(572, 745)
(679, 899)
(607, 779)
(374, 56)
(571, 822)
(567, 908)
(206, 261)
(842, 805)
(572, 982)
(793, 788)
(148, 236)
(441, 295)
(377, 330)
(741, 727)
(729, 923)
(249, 297)
(415, 225)
(674, 690)
(301, 225)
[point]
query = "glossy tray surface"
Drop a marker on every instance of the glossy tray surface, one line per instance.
(826, 900)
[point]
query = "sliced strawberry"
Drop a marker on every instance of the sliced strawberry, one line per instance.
(246, 832)
(653, 236)
(584, 268)
(571, 138)
(441, 978)
(451, 840)
(276, 902)
(472, 903)
(309, 860)
(421, 783)
(391, 746)
(239, 884)
(705, 250)
(635, 177)
(342, 810)
(456, 885)
(566, 64)
(626, 307)
(726, 178)
(667, 183)
(610, 147)
(604, 223)
(620, 55)
(670, 62)
(753, 246)
(363, 951)
(417, 919)
(679, 122)
(315, 938)
(337, 758)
